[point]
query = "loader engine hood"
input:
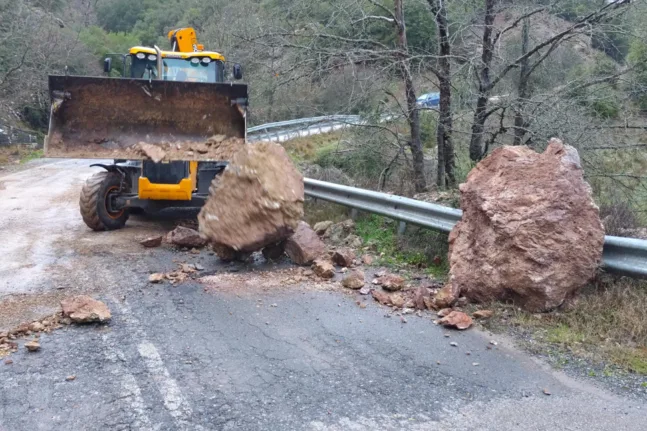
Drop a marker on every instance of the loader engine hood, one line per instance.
(125, 118)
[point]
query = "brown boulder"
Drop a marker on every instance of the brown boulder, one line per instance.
(397, 300)
(84, 309)
(530, 231)
(153, 241)
(420, 295)
(304, 246)
(381, 297)
(323, 268)
(354, 279)
(445, 297)
(258, 200)
(343, 257)
(321, 227)
(185, 237)
(456, 319)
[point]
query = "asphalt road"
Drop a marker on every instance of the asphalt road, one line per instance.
(249, 351)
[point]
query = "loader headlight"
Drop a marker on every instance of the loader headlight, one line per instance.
(195, 60)
(140, 55)
(206, 60)
(152, 57)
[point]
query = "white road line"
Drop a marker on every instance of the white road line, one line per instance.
(130, 391)
(174, 402)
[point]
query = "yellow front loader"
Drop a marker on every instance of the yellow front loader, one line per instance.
(168, 124)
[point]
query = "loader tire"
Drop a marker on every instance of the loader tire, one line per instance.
(93, 202)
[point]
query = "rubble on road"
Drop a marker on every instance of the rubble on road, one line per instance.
(338, 233)
(530, 231)
(32, 346)
(153, 241)
(304, 246)
(343, 256)
(456, 319)
(323, 268)
(390, 282)
(85, 309)
(354, 279)
(178, 276)
(257, 200)
(185, 237)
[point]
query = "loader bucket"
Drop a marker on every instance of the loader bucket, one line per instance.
(123, 118)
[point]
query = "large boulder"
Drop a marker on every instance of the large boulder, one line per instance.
(304, 246)
(530, 231)
(257, 201)
(85, 309)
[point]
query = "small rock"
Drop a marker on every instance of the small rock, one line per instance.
(445, 297)
(353, 241)
(194, 251)
(381, 297)
(36, 327)
(367, 259)
(483, 314)
(70, 378)
(84, 309)
(494, 343)
(403, 320)
(157, 277)
(391, 282)
(354, 279)
(453, 344)
(457, 319)
(343, 257)
(475, 364)
(8, 361)
(362, 305)
(153, 241)
(444, 312)
(365, 290)
(32, 346)
(397, 300)
(546, 391)
(321, 227)
(323, 268)
(185, 237)
(446, 335)
(199, 267)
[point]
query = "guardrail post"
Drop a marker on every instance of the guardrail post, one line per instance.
(353, 213)
(402, 227)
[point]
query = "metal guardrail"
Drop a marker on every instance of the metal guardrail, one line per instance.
(624, 256)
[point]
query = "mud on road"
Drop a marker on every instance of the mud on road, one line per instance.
(251, 346)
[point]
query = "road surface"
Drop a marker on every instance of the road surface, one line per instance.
(256, 349)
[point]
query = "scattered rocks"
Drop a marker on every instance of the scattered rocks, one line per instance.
(323, 268)
(367, 259)
(456, 319)
(397, 300)
(84, 309)
(304, 246)
(444, 297)
(530, 231)
(390, 282)
(419, 297)
(339, 232)
(354, 279)
(36, 327)
(343, 257)
(32, 346)
(153, 241)
(483, 314)
(321, 227)
(444, 312)
(185, 237)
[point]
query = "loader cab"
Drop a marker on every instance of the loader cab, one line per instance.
(199, 66)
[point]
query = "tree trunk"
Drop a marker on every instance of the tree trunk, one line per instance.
(413, 118)
(446, 159)
(480, 114)
(523, 90)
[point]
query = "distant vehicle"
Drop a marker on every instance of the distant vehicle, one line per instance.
(428, 100)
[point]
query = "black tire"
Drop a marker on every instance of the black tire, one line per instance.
(93, 202)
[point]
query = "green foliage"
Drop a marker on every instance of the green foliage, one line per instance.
(102, 43)
(605, 108)
(120, 15)
(428, 126)
(637, 60)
